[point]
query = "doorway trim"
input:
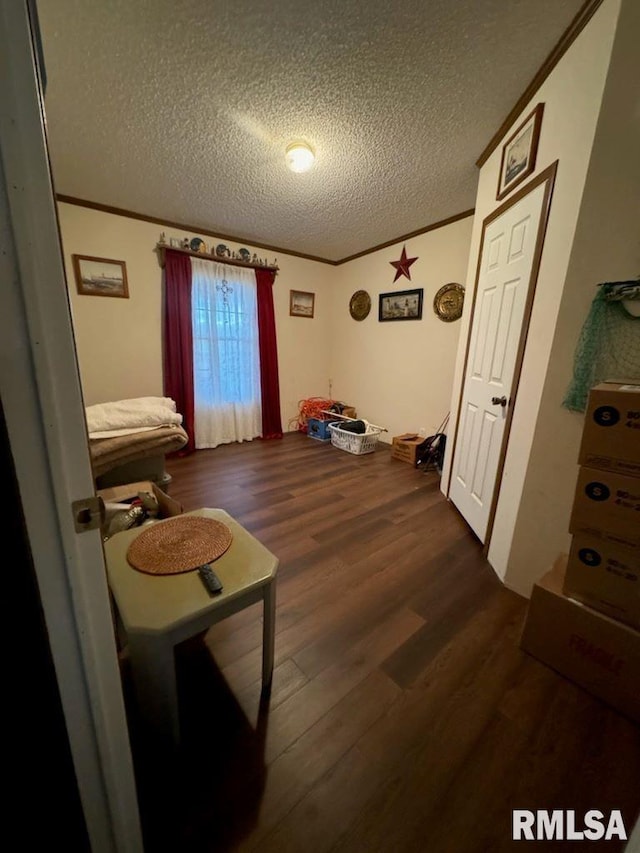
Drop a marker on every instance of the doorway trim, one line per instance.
(47, 433)
(547, 177)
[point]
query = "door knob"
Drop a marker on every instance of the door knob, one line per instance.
(499, 401)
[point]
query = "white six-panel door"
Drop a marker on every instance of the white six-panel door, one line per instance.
(505, 271)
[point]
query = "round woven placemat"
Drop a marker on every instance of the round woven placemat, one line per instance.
(179, 545)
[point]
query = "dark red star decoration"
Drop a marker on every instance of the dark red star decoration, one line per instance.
(402, 266)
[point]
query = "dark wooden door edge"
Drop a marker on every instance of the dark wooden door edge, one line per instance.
(548, 176)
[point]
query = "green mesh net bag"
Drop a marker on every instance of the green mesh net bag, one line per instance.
(608, 347)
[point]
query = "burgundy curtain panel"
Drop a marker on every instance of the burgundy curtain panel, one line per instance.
(178, 340)
(269, 382)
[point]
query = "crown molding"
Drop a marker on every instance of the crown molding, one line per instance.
(440, 224)
(184, 226)
(194, 229)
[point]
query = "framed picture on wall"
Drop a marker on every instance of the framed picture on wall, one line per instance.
(519, 153)
(400, 305)
(301, 303)
(100, 276)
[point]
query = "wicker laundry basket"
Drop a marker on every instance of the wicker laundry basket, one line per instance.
(352, 442)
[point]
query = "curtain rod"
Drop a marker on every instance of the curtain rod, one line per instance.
(234, 262)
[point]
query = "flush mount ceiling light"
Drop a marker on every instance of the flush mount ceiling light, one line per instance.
(300, 157)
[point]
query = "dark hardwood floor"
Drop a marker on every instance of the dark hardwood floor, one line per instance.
(403, 715)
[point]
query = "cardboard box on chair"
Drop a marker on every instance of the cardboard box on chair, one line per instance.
(167, 507)
(596, 652)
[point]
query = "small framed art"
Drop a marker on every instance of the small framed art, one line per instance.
(519, 153)
(100, 276)
(301, 303)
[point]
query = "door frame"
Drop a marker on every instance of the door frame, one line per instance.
(548, 177)
(43, 407)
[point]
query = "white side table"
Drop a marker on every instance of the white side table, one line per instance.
(160, 611)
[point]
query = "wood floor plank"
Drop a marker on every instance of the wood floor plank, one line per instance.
(459, 819)
(568, 760)
(445, 611)
(332, 613)
(288, 678)
(359, 801)
(297, 770)
(392, 816)
(308, 705)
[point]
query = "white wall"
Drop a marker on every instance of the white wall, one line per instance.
(606, 247)
(399, 374)
(119, 341)
(572, 95)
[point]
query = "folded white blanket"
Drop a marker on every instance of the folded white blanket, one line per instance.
(134, 414)
(113, 433)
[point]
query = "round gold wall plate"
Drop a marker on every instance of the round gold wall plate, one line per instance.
(360, 305)
(448, 302)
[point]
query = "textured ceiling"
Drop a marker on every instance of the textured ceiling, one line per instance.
(182, 111)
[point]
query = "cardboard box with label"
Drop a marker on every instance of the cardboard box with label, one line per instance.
(405, 446)
(606, 577)
(607, 506)
(587, 647)
(611, 435)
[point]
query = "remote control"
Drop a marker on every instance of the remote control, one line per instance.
(210, 579)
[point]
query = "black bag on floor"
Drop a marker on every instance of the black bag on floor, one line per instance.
(430, 454)
(358, 427)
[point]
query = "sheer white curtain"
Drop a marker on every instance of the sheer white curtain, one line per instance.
(226, 360)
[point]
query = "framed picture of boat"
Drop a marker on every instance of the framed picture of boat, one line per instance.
(100, 276)
(519, 153)
(301, 303)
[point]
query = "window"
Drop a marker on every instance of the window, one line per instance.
(226, 361)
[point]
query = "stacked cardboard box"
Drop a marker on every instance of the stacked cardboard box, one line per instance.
(600, 654)
(584, 615)
(604, 562)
